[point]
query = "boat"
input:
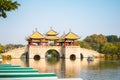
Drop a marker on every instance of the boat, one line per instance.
(90, 58)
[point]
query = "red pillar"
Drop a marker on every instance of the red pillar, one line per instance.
(46, 43)
(55, 43)
(31, 43)
(73, 43)
(65, 43)
(41, 42)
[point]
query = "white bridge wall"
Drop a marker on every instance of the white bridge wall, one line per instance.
(75, 50)
(41, 51)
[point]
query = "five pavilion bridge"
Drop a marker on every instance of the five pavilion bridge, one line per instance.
(65, 46)
(63, 51)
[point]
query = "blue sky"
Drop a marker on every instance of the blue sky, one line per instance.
(83, 17)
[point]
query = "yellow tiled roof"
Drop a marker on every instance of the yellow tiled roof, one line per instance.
(37, 35)
(51, 32)
(60, 40)
(44, 40)
(52, 37)
(71, 35)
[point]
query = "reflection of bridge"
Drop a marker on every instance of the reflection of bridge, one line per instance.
(64, 51)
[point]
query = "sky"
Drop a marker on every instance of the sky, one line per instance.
(83, 17)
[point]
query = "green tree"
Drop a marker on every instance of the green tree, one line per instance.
(51, 44)
(112, 38)
(2, 49)
(96, 41)
(109, 48)
(119, 39)
(9, 47)
(12, 46)
(7, 5)
(84, 44)
(118, 46)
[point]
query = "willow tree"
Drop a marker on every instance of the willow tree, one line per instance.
(7, 6)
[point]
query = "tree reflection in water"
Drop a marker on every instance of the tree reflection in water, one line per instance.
(52, 60)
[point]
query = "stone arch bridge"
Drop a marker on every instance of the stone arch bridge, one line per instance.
(63, 51)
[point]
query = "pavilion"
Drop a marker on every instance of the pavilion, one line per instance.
(52, 37)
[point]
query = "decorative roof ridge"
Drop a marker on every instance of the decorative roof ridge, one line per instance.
(71, 33)
(56, 33)
(36, 32)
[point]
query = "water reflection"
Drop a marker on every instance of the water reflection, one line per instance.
(97, 69)
(62, 67)
(15, 62)
(72, 67)
(53, 60)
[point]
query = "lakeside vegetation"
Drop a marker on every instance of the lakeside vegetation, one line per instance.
(7, 47)
(108, 45)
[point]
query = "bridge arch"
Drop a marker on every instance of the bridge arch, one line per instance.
(37, 57)
(81, 55)
(72, 56)
(52, 53)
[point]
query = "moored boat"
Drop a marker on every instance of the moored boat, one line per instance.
(90, 58)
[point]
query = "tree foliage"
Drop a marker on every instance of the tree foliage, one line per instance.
(109, 48)
(96, 41)
(7, 5)
(117, 44)
(112, 38)
(84, 44)
(105, 44)
(2, 48)
(12, 46)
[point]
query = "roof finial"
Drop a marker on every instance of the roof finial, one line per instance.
(64, 32)
(36, 29)
(51, 28)
(69, 30)
(33, 31)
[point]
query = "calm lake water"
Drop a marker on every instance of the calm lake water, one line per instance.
(95, 70)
